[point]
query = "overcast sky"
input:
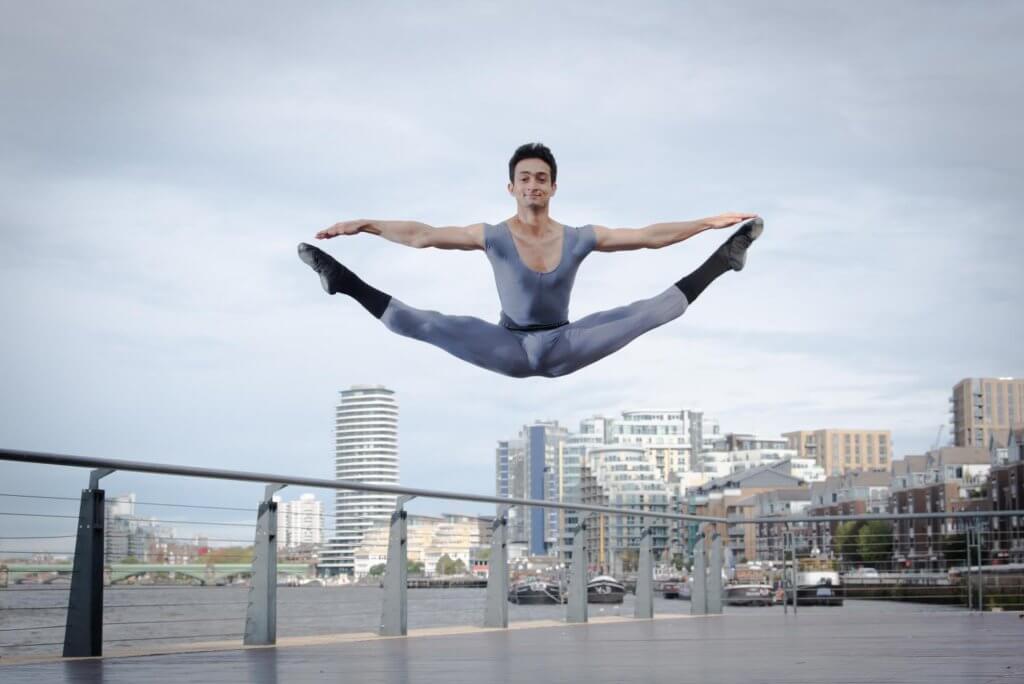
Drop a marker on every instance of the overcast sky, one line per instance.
(160, 161)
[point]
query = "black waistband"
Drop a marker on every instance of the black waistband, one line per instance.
(532, 327)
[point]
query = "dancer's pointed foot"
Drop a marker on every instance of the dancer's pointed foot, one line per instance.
(735, 248)
(332, 274)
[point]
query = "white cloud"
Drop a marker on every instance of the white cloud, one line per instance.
(159, 170)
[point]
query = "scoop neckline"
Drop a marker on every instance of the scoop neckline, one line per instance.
(561, 258)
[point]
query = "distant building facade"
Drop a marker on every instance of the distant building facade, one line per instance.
(366, 450)
(300, 523)
(981, 408)
(841, 451)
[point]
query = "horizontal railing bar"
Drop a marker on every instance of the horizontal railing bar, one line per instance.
(39, 515)
(267, 478)
(867, 516)
(175, 636)
(58, 536)
(168, 622)
(175, 605)
(25, 629)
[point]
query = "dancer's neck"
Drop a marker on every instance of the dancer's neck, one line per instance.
(535, 222)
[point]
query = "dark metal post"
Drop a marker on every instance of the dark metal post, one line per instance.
(83, 630)
(496, 613)
(644, 607)
(785, 573)
(796, 586)
(979, 542)
(576, 607)
(261, 612)
(395, 613)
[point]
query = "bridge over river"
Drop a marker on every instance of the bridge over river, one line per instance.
(115, 573)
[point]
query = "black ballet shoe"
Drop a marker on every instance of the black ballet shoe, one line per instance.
(332, 274)
(735, 248)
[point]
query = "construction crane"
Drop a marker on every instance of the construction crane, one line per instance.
(938, 436)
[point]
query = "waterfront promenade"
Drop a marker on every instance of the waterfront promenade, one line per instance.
(859, 643)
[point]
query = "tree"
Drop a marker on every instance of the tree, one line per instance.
(874, 541)
(414, 568)
(847, 541)
(377, 570)
(953, 549)
(446, 566)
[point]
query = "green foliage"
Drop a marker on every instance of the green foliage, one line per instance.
(954, 549)
(414, 568)
(446, 566)
(874, 541)
(847, 540)
(377, 570)
(677, 561)
(230, 554)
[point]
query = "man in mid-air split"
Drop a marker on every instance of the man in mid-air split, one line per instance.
(535, 260)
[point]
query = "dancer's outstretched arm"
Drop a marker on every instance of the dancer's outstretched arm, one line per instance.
(659, 235)
(412, 233)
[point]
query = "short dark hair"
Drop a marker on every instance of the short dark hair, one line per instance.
(534, 150)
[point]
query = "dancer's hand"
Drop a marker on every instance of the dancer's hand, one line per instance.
(343, 228)
(726, 220)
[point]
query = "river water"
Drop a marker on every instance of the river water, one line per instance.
(136, 617)
(142, 617)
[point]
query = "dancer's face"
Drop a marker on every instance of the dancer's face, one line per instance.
(532, 186)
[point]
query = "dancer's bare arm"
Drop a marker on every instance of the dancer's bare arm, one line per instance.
(412, 233)
(659, 235)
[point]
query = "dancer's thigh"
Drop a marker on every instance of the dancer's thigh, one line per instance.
(469, 338)
(595, 336)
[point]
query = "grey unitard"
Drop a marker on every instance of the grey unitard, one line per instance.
(532, 300)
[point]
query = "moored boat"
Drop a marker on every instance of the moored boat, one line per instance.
(817, 588)
(747, 595)
(605, 589)
(535, 592)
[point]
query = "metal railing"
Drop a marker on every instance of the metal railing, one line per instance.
(957, 563)
(91, 571)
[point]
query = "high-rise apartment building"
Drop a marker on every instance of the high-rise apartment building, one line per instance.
(733, 453)
(842, 451)
(673, 438)
(300, 523)
(366, 450)
(626, 477)
(982, 408)
(531, 466)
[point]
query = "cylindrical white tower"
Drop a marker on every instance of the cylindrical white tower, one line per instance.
(366, 450)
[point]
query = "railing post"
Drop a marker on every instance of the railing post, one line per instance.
(785, 573)
(83, 629)
(796, 586)
(969, 555)
(978, 542)
(714, 592)
(576, 607)
(644, 607)
(395, 615)
(496, 613)
(699, 593)
(261, 612)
